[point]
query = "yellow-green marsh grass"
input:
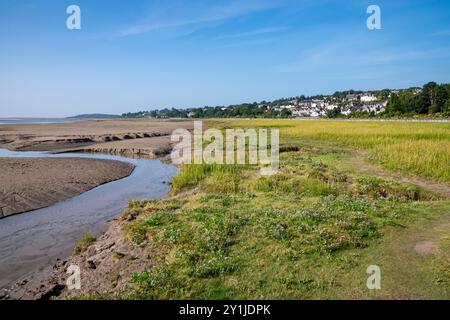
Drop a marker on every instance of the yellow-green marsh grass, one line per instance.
(420, 148)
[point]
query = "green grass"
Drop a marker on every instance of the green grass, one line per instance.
(223, 178)
(308, 232)
(84, 243)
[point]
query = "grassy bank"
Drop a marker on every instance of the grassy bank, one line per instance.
(309, 232)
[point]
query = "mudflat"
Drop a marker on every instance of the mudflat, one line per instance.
(153, 136)
(31, 183)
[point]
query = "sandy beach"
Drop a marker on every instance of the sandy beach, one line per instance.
(32, 183)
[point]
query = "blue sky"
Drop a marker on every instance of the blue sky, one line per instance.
(134, 55)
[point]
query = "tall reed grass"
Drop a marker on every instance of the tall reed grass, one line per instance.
(420, 148)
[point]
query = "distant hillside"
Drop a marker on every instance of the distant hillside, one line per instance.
(96, 116)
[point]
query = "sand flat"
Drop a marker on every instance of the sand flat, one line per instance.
(27, 185)
(31, 183)
(60, 136)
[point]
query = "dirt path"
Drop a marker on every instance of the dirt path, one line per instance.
(415, 260)
(358, 162)
(419, 253)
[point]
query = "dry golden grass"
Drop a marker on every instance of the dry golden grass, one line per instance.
(420, 148)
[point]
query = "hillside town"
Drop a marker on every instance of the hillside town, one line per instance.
(432, 98)
(365, 102)
(317, 106)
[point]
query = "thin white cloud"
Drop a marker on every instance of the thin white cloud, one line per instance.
(251, 33)
(193, 14)
(247, 43)
(350, 53)
(441, 33)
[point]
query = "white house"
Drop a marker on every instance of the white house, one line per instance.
(289, 107)
(346, 112)
(332, 106)
(368, 98)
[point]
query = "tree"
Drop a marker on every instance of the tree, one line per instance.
(441, 97)
(435, 97)
(393, 105)
(420, 104)
(447, 107)
(383, 94)
(334, 113)
(406, 102)
(285, 113)
(447, 88)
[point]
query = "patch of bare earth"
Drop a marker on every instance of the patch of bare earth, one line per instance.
(425, 248)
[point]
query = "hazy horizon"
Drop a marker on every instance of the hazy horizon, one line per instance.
(152, 55)
(187, 107)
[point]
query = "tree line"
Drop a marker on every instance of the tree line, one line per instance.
(246, 110)
(432, 99)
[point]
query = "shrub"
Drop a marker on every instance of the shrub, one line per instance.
(84, 243)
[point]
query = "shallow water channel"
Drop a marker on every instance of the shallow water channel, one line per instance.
(32, 241)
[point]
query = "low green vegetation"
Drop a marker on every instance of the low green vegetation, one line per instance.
(307, 232)
(84, 243)
(219, 177)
